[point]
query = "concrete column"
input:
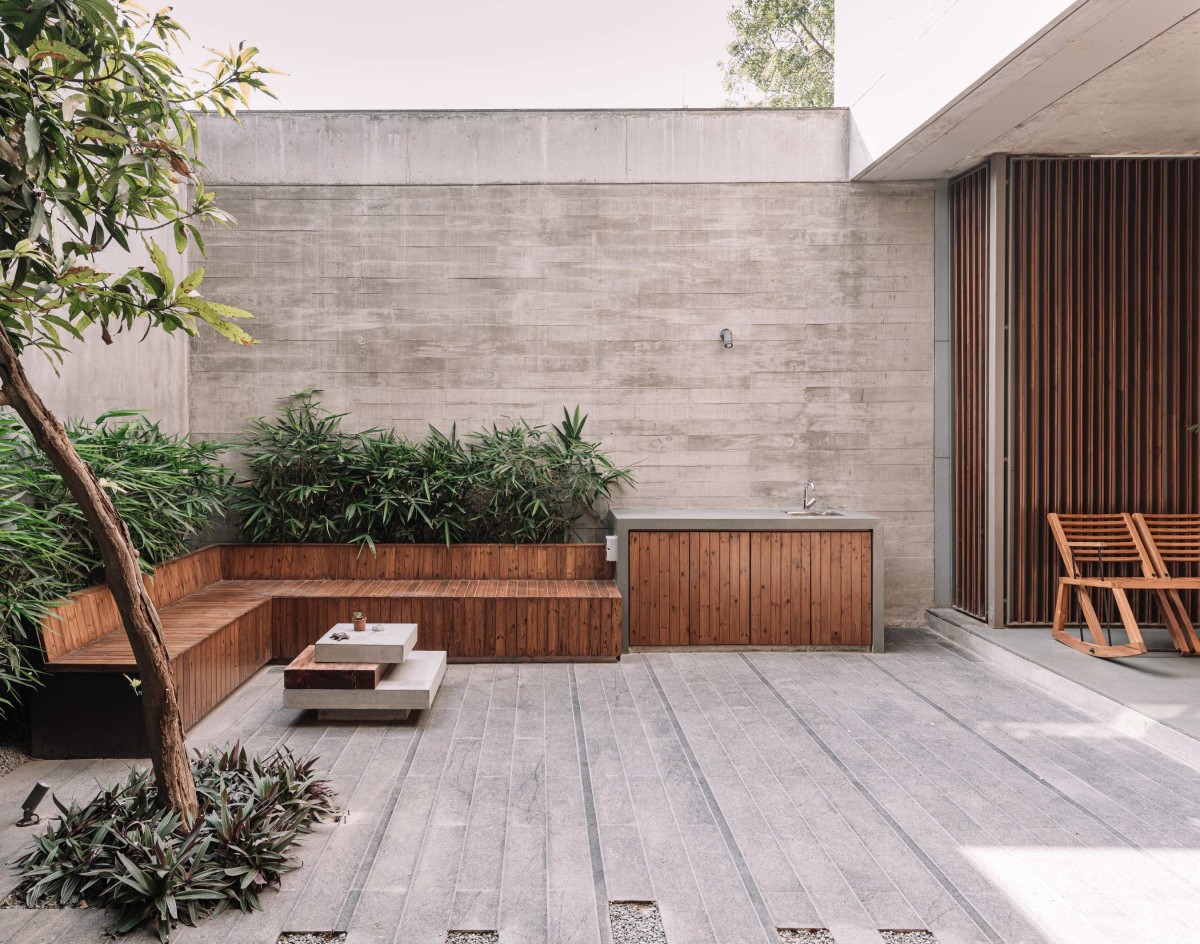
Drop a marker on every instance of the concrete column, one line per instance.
(997, 334)
(943, 467)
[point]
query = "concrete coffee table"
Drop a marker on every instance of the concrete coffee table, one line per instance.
(380, 642)
(373, 675)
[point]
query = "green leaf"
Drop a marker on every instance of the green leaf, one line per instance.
(190, 283)
(53, 49)
(33, 135)
(180, 236)
(103, 135)
(160, 263)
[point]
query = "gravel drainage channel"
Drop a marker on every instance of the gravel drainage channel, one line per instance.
(472, 937)
(636, 922)
(311, 937)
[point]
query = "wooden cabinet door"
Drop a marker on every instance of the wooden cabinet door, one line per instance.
(689, 588)
(810, 588)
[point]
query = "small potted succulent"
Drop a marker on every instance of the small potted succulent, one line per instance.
(360, 622)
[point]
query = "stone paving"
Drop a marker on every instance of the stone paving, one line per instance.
(919, 790)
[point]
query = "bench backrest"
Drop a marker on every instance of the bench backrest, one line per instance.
(91, 613)
(1170, 539)
(416, 562)
(1088, 539)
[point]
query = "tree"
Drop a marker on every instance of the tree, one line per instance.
(96, 128)
(782, 56)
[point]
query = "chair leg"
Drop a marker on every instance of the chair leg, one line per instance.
(1099, 646)
(1186, 630)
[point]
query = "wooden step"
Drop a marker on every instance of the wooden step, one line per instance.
(409, 685)
(305, 672)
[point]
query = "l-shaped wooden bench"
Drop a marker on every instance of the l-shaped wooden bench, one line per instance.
(229, 609)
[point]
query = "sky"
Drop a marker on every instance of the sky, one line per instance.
(408, 54)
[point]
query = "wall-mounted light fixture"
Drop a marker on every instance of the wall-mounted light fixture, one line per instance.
(29, 817)
(727, 337)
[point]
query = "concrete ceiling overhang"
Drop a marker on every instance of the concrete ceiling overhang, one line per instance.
(1108, 77)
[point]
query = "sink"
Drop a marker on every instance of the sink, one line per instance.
(807, 513)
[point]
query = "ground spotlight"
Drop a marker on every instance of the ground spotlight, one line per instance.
(36, 795)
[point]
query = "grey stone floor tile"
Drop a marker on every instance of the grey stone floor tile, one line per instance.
(531, 702)
(475, 909)
(483, 851)
(427, 906)
(523, 902)
(625, 869)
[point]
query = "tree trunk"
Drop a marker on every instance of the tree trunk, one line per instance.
(164, 724)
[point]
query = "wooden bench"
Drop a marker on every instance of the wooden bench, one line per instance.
(227, 610)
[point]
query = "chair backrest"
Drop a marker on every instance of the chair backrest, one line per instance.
(1088, 539)
(1170, 539)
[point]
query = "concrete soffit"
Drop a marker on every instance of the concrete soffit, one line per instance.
(1087, 39)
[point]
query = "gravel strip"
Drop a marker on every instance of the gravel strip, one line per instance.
(908, 937)
(636, 922)
(311, 937)
(11, 756)
(472, 937)
(805, 936)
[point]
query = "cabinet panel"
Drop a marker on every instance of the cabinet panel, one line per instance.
(810, 588)
(762, 588)
(689, 588)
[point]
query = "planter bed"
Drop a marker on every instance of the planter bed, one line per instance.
(229, 609)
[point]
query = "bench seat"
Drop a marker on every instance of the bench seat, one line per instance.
(228, 610)
(185, 624)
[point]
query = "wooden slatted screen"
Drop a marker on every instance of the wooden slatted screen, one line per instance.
(1104, 328)
(968, 315)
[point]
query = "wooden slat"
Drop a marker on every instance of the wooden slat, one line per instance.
(968, 314)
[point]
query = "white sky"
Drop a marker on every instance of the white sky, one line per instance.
(379, 54)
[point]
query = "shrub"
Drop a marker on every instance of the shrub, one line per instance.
(120, 851)
(166, 488)
(36, 569)
(309, 480)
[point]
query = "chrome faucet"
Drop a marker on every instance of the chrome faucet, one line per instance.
(809, 502)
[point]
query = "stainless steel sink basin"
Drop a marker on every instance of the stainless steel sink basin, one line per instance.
(809, 513)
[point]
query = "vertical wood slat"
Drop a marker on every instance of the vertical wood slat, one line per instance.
(968, 316)
(1104, 256)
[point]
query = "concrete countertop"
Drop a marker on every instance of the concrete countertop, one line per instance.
(737, 519)
(623, 520)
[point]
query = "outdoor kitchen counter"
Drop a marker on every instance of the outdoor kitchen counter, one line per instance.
(735, 520)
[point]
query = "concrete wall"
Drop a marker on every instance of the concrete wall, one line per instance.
(131, 373)
(465, 302)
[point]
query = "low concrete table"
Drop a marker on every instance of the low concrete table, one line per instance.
(385, 643)
(373, 675)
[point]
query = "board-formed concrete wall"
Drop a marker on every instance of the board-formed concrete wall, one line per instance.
(439, 303)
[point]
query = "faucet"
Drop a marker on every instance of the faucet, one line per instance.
(809, 502)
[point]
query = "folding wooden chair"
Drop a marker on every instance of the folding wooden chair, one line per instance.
(1174, 539)
(1109, 542)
